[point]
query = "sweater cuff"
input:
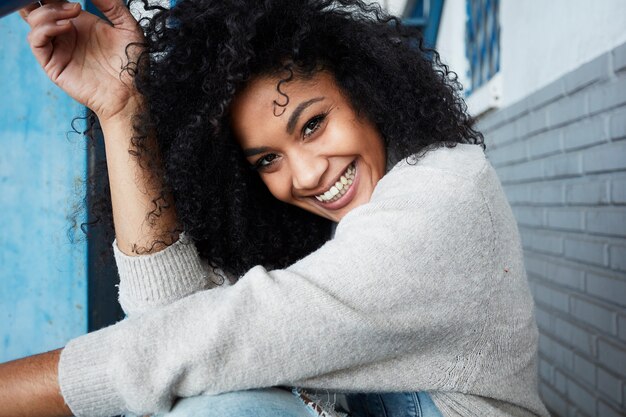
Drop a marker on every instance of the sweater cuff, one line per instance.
(160, 278)
(86, 384)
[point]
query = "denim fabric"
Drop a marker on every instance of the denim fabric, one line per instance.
(269, 402)
(274, 402)
(393, 404)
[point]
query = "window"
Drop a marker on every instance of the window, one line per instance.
(424, 14)
(482, 41)
(482, 48)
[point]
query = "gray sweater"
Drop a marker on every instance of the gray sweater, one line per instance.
(423, 288)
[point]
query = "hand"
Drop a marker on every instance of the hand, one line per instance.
(85, 55)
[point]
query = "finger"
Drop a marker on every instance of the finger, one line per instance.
(117, 13)
(53, 12)
(24, 12)
(41, 37)
(35, 4)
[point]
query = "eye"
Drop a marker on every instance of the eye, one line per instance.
(265, 161)
(313, 125)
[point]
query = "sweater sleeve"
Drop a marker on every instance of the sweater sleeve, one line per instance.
(401, 278)
(158, 279)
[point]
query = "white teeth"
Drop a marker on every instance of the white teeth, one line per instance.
(340, 187)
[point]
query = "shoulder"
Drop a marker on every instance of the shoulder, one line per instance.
(463, 160)
(444, 185)
(435, 171)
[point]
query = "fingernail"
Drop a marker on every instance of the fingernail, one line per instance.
(63, 22)
(69, 6)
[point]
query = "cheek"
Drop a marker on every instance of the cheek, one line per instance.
(343, 137)
(353, 136)
(373, 148)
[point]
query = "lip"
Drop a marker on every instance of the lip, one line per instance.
(347, 197)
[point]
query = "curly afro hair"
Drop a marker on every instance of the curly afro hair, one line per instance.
(200, 53)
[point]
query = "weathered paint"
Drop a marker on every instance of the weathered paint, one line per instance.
(43, 290)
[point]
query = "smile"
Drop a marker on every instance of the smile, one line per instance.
(340, 188)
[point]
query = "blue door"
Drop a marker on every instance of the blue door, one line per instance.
(43, 259)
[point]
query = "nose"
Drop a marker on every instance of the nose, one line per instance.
(307, 170)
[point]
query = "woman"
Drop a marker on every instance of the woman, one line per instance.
(262, 124)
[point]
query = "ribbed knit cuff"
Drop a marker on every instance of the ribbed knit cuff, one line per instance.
(86, 384)
(159, 278)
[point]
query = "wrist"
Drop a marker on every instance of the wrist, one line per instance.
(123, 116)
(118, 129)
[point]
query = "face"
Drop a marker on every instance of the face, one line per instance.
(314, 153)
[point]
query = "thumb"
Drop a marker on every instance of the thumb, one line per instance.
(117, 13)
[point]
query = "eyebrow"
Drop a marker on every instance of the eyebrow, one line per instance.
(254, 151)
(291, 124)
(293, 119)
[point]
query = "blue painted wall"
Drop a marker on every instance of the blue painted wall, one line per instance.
(43, 277)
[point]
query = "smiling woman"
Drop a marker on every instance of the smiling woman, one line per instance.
(307, 208)
(321, 156)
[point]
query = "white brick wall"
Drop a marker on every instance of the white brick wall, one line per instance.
(561, 156)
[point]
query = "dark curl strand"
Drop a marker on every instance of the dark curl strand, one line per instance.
(201, 53)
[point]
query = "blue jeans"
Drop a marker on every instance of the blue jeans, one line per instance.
(275, 402)
(392, 404)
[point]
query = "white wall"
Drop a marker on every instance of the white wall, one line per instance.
(540, 40)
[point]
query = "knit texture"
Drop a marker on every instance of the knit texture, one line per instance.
(421, 289)
(147, 281)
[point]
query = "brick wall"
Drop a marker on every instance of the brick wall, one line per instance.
(561, 156)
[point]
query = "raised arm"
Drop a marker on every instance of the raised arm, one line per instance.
(84, 55)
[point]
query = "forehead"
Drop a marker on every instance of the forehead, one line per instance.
(256, 105)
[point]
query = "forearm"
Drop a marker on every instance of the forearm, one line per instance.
(136, 192)
(29, 387)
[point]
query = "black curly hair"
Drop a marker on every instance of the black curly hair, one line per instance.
(200, 53)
